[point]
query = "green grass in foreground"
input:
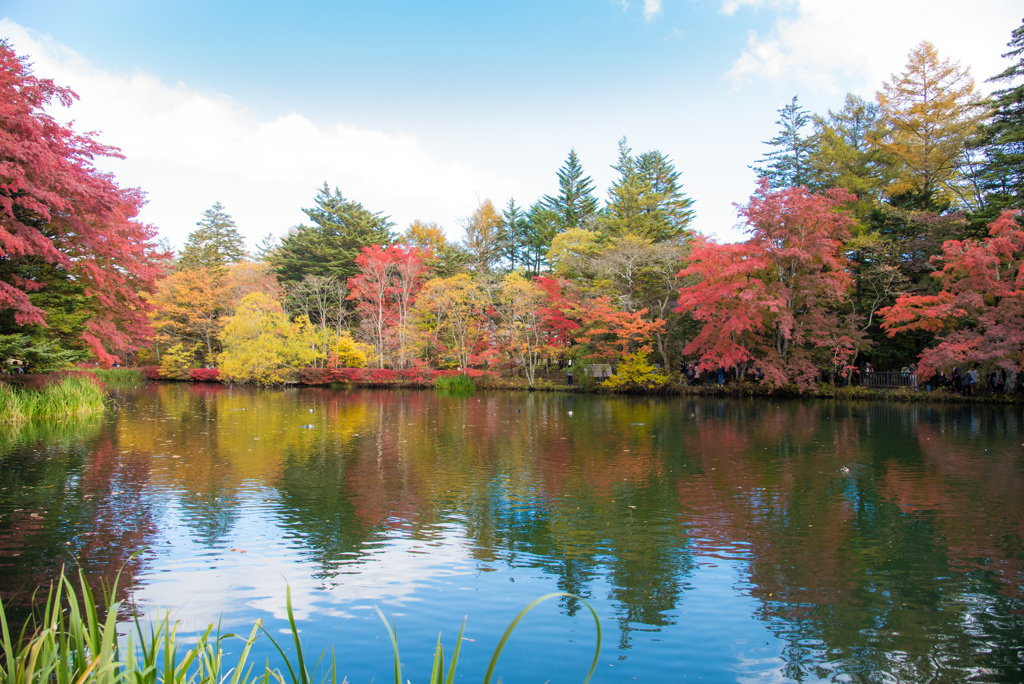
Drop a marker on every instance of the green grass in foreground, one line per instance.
(74, 395)
(73, 642)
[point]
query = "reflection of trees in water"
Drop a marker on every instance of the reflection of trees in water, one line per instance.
(856, 570)
(75, 501)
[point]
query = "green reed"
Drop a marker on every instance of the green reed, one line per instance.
(119, 376)
(72, 641)
(72, 396)
(455, 384)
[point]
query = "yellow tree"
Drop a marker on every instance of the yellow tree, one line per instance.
(189, 306)
(484, 236)
(521, 331)
(572, 252)
(426, 237)
(929, 112)
(449, 312)
(261, 346)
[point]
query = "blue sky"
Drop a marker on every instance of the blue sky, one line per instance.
(420, 109)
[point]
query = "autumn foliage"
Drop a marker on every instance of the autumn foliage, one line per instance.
(774, 303)
(55, 206)
(978, 316)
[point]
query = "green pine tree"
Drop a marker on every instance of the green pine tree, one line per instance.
(646, 200)
(329, 247)
(575, 201)
(787, 164)
(1001, 176)
(214, 244)
(514, 228)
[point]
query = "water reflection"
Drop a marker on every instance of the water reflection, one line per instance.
(870, 542)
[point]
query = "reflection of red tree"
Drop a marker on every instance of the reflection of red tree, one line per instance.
(787, 515)
(112, 524)
(972, 518)
(207, 389)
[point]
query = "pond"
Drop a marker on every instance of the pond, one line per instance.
(718, 540)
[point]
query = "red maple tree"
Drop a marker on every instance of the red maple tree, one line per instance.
(384, 291)
(57, 207)
(773, 302)
(978, 316)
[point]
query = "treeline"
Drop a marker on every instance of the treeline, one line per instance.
(878, 234)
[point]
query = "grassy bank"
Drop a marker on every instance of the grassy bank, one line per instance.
(74, 640)
(72, 395)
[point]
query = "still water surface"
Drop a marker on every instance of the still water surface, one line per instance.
(719, 541)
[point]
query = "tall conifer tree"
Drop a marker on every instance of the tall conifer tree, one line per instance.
(787, 165)
(1001, 177)
(575, 201)
(215, 243)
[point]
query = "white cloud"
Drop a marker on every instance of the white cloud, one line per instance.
(652, 8)
(730, 7)
(828, 42)
(188, 149)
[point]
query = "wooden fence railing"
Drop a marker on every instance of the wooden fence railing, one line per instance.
(889, 379)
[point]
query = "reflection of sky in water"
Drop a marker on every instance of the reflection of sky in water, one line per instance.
(427, 584)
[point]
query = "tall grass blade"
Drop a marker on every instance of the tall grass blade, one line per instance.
(393, 633)
(533, 604)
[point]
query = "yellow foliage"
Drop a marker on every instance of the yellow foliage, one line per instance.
(261, 346)
(348, 353)
(426, 237)
(635, 372)
(177, 360)
(572, 251)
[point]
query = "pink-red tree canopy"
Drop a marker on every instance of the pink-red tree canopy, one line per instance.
(978, 316)
(774, 302)
(56, 206)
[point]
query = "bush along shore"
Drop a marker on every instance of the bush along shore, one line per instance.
(74, 640)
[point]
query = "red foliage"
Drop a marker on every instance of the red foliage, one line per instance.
(384, 292)
(772, 300)
(316, 376)
(419, 376)
(615, 333)
(38, 381)
(56, 206)
(560, 302)
(204, 374)
(979, 314)
(151, 372)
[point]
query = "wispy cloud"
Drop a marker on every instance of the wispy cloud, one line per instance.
(188, 149)
(652, 8)
(825, 41)
(730, 7)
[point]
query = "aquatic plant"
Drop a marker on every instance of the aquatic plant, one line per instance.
(119, 376)
(455, 384)
(74, 640)
(73, 395)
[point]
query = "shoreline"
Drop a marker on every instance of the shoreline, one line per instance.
(485, 381)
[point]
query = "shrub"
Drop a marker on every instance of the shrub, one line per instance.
(316, 376)
(205, 374)
(635, 374)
